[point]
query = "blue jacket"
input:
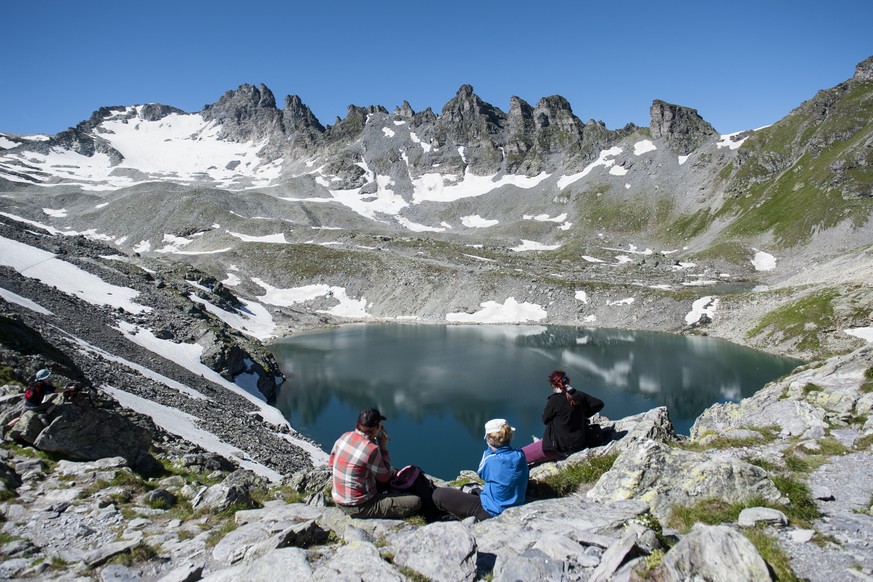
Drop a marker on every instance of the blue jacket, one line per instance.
(505, 473)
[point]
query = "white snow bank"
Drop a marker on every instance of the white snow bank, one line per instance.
(188, 356)
(604, 160)
(529, 245)
(645, 146)
(270, 238)
(728, 140)
(185, 425)
(476, 221)
(763, 261)
(545, 217)
(142, 370)
(511, 311)
(347, 307)
(703, 306)
(253, 320)
(444, 187)
(864, 333)
(23, 301)
(41, 265)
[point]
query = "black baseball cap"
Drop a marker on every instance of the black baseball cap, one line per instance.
(370, 417)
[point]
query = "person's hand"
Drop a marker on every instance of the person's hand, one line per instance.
(383, 439)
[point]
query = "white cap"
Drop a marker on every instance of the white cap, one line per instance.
(494, 425)
(43, 375)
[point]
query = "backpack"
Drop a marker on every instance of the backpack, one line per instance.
(34, 392)
(411, 479)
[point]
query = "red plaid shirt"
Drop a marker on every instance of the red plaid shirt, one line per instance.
(357, 464)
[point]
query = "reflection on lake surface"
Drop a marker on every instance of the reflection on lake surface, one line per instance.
(438, 385)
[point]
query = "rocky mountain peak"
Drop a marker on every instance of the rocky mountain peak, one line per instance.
(467, 107)
(297, 115)
(354, 121)
(405, 110)
(245, 113)
(682, 127)
(556, 110)
(864, 70)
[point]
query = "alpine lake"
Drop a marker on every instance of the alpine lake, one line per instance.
(438, 384)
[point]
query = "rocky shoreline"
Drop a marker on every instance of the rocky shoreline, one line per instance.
(790, 467)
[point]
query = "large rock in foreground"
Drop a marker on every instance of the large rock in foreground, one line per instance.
(714, 553)
(665, 476)
(81, 432)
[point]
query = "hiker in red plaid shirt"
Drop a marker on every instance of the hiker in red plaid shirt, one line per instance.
(360, 462)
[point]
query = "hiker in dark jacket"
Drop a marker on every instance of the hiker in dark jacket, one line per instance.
(36, 392)
(566, 418)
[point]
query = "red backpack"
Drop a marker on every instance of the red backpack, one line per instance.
(34, 392)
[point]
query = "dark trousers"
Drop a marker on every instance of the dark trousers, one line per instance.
(459, 504)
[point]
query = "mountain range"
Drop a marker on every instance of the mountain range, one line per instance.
(475, 214)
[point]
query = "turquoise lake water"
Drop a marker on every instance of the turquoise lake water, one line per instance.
(438, 385)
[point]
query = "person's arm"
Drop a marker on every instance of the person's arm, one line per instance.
(484, 465)
(592, 404)
(380, 464)
(549, 411)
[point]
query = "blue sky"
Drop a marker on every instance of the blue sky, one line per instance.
(741, 64)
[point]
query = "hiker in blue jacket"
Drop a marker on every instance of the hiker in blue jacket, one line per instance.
(504, 471)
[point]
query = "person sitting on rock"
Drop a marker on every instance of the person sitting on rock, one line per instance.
(360, 464)
(36, 393)
(566, 418)
(505, 472)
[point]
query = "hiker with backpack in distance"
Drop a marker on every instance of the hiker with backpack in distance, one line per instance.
(362, 470)
(504, 471)
(566, 418)
(36, 392)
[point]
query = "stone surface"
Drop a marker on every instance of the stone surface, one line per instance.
(714, 553)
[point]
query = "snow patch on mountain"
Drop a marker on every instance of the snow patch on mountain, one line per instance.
(346, 307)
(510, 311)
(606, 159)
(44, 266)
(476, 221)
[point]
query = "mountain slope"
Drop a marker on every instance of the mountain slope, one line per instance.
(414, 215)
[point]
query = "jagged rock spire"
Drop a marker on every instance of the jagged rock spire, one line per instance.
(297, 115)
(245, 113)
(682, 127)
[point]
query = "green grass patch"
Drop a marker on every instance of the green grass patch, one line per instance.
(810, 387)
(711, 511)
(831, 447)
(867, 385)
(735, 253)
(568, 479)
(799, 463)
(793, 193)
(6, 538)
(801, 509)
(218, 531)
(416, 520)
(772, 554)
(864, 443)
(768, 466)
(138, 554)
(686, 226)
(461, 481)
(766, 434)
(801, 320)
